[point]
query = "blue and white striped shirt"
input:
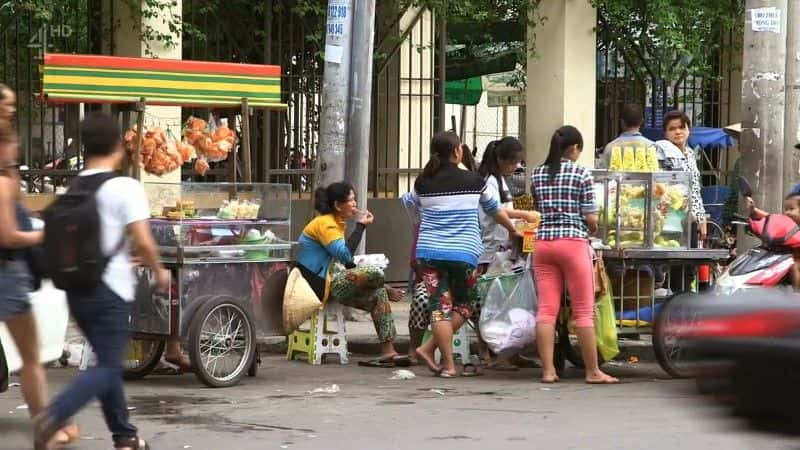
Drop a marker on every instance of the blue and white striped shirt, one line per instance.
(448, 205)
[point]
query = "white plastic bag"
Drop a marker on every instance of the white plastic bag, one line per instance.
(507, 321)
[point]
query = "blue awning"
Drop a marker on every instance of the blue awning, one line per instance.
(704, 137)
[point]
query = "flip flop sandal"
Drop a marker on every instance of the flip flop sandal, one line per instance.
(553, 380)
(502, 367)
(470, 370)
(610, 380)
(380, 363)
(402, 361)
(443, 374)
(44, 430)
(184, 364)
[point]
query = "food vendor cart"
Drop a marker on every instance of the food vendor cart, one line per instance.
(221, 241)
(643, 229)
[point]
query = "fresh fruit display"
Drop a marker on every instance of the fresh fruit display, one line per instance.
(652, 160)
(641, 159)
(616, 159)
(213, 144)
(628, 159)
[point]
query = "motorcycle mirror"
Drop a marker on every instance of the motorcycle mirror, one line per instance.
(745, 190)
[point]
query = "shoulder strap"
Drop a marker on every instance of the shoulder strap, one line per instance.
(92, 183)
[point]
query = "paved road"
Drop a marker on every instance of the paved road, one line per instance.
(509, 411)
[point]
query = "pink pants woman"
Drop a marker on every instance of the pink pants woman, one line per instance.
(563, 260)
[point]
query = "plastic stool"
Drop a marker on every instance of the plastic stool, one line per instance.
(319, 341)
(460, 345)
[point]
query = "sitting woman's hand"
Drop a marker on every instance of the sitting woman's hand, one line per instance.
(366, 218)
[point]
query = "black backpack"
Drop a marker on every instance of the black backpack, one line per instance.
(73, 238)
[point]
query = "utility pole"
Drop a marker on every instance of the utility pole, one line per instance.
(335, 93)
(358, 132)
(763, 100)
(791, 159)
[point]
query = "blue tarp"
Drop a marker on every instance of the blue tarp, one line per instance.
(701, 136)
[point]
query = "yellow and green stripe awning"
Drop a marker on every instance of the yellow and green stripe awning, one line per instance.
(111, 79)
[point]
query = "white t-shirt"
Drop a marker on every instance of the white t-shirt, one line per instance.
(494, 236)
(121, 201)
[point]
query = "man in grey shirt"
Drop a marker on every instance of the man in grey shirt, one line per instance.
(632, 119)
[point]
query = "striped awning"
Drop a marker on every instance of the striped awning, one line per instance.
(111, 79)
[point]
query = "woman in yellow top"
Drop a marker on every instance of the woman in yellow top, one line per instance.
(323, 244)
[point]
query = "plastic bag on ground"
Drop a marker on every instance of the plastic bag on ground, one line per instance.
(507, 321)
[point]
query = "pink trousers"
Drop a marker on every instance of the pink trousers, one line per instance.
(557, 262)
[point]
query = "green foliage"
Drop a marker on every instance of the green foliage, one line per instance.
(669, 39)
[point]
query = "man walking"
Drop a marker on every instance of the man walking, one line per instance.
(101, 306)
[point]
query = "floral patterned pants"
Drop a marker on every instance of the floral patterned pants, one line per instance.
(451, 289)
(363, 288)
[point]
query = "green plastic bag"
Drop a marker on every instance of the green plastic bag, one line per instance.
(605, 326)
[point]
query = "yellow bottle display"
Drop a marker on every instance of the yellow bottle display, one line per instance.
(628, 159)
(652, 159)
(616, 159)
(640, 159)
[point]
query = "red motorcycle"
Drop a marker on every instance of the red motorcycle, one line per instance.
(742, 340)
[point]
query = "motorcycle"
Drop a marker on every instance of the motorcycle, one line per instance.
(741, 341)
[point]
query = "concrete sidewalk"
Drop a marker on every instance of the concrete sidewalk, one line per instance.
(362, 339)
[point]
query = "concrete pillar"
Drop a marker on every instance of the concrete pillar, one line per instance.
(127, 41)
(561, 78)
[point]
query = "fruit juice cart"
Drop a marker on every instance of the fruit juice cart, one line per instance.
(644, 230)
(222, 241)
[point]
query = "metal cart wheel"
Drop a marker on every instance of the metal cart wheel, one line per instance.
(572, 352)
(151, 352)
(671, 355)
(222, 341)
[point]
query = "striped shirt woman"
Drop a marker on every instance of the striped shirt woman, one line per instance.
(449, 242)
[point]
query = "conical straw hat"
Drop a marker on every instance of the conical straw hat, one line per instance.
(299, 301)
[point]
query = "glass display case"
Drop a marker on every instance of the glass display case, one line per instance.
(203, 223)
(222, 243)
(641, 210)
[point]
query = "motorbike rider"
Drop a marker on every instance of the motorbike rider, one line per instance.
(791, 209)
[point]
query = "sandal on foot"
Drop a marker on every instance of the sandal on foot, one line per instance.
(66, 435)
(470, 370)
(132, 443)
(605, 380)
(502, 367)
(183, 362)
(379, 363)
(45, 429)
(550, 380)
(442, 374)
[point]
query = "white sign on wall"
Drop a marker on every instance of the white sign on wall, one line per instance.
(766, 19)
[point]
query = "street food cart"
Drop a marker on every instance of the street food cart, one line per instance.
(221, 241)
(643, 232)
(228, 242)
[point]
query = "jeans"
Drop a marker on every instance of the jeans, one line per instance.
(104, 319)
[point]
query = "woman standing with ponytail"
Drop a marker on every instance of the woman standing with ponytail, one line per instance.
(449, 243)
(564, 194)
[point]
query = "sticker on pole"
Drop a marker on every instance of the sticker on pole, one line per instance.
(766, 19)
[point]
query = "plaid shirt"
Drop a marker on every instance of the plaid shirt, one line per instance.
(563, 201)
